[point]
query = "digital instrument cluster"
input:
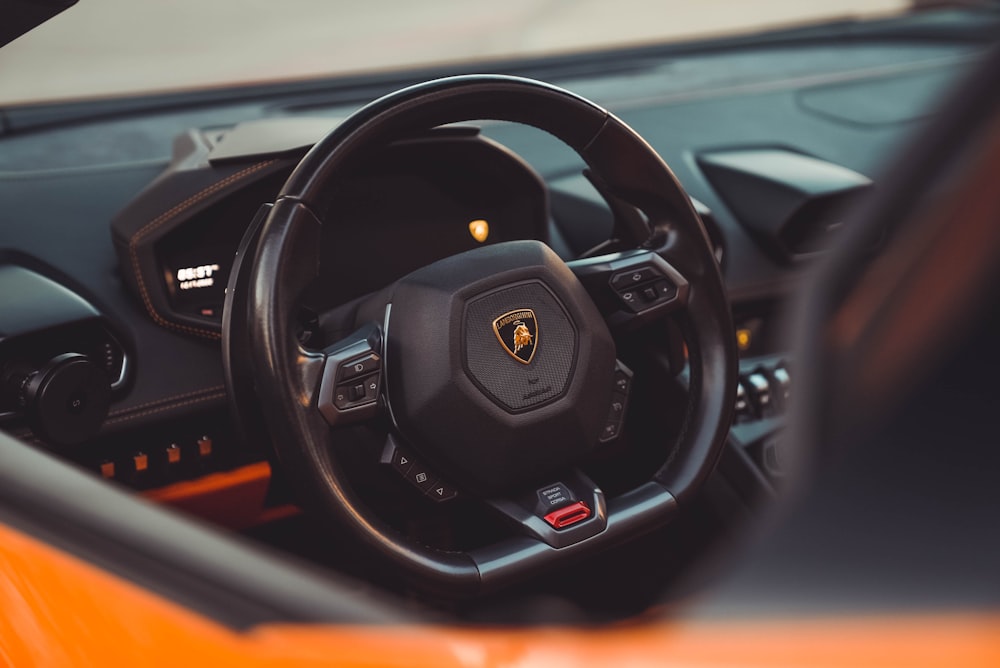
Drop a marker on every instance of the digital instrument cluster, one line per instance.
(415, 202)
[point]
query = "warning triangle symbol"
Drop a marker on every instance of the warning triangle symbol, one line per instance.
(440, 491)
(404, 460)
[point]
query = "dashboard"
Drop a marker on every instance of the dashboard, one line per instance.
(127, 223)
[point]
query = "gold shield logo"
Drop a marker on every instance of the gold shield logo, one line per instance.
(479, 229)
(517, 332)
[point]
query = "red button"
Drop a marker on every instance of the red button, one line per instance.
(571, 514)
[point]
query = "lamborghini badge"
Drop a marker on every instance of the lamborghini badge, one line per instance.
(479, 229)
(517, 332)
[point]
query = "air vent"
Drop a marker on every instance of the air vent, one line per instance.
(90, 339)
(43, 322)
(811, 228)
(792, 204)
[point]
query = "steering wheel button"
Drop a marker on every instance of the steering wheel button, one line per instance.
(664, 290)
(568, 515)
(356, 393)
(610, 431)
(371, 388)
(441, 492)
(402, 462)
(340, 399)
(633, 278)
(631, 299)
(420, 477)
(360, 366)
(617, 407)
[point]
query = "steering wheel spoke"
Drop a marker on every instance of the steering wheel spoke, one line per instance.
(351, 384)
(625, 516)
(631, 288)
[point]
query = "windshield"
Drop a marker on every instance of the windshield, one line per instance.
(102, 48)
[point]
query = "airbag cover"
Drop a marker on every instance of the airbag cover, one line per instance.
(483, 411)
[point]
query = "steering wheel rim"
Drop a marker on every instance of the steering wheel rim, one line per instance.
(283, 259)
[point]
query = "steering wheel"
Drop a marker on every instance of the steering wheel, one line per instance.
(498, 366)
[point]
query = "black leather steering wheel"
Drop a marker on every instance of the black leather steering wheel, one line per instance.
(496, 366)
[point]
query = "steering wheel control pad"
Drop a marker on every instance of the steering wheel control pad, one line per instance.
(351, 382)
(499, 366)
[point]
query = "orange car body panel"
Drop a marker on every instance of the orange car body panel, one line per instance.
(61, 611)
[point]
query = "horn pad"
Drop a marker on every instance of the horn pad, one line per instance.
(511, 374)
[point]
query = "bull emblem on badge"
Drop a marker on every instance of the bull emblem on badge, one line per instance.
(522, 337)
(517, 332)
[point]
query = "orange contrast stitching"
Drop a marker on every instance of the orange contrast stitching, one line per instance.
(160, 409)
(129, 409)
(164, 217)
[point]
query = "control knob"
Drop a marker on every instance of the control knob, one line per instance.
(64, 401)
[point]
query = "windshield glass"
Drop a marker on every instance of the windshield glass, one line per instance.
(102, 48)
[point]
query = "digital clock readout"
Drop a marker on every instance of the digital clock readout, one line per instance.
(202, 276)
(198, 285)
